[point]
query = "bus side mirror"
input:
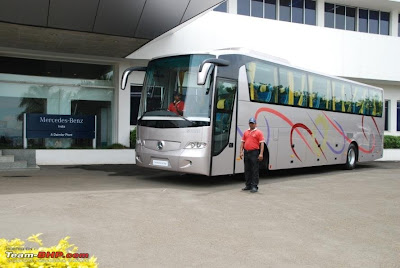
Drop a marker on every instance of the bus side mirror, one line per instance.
(206, 68)
(127, 72)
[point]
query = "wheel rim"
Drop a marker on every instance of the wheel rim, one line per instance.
(351, 157)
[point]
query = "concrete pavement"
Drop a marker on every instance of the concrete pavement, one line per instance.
(133, 217)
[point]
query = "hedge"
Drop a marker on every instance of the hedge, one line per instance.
(391, 142)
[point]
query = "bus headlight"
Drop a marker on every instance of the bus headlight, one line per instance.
(195, 145)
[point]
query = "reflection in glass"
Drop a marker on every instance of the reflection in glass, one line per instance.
(329, 15)
(374, 22)
(310, 16)
(363, 20)
(257, 8)
(384, 23)
(270, 9)
(340, 18)
(284, 10)
(350, 18)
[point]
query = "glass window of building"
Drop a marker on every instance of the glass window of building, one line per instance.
(136, 93)
(340, 17)
(373, 21)
(399, 27)
(223, 7)
(50, 87)
(350, 18)
(257, 8)
(384, 23)
(363, 20)
(398, 116)
(310, 13)
(329, 15)
(243, 7)
(387, 115)
(270, 9)
(297, 11)
(284, 10)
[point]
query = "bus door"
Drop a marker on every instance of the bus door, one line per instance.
(224, 127)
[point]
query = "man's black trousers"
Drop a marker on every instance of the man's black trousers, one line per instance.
(251, 167)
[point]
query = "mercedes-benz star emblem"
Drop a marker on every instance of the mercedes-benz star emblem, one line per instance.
(160, 145)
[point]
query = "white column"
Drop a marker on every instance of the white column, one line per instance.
(232, 6)
(394, 23)
(320, 8)
(122, 106)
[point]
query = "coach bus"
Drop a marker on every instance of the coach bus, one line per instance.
(307, 118)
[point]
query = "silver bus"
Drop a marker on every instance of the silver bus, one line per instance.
(307, 118)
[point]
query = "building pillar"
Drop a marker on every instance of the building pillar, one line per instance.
(320, 8)
(232, 6)
(394, 23)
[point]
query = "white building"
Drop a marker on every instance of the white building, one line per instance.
(356, 39)
(55, 63)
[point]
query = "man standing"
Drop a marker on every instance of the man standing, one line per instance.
(253, 147)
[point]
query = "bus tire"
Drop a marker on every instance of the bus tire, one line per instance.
(351, 158)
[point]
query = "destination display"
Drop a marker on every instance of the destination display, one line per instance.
(60, 126)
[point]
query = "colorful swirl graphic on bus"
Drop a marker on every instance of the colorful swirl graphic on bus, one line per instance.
(321, 126)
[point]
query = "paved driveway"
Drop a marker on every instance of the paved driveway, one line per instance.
(133, 217)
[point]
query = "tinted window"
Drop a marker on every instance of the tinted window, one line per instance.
(310, 13)
(375, 103)
(319, 92)
(263, 82)
(257, 8)
(374, 22)
(293, 89)
(243, 7)
(329, 15)
(341, 97)
(340, 18)
(363, 20)
(297, 11)
(350, 18)
(270, 9)
(384, 23)
(359, 100)
(284, 10)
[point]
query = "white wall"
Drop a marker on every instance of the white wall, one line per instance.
(331, 51)
(123, 101)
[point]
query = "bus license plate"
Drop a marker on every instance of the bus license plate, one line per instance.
(161, 163)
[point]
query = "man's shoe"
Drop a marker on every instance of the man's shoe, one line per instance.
(246, 188)
(254, 189)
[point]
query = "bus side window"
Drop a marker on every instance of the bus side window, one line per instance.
(376, 105)
(262, 78)
(320, 92)
(359, 100)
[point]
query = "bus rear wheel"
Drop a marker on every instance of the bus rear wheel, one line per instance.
(351, 159)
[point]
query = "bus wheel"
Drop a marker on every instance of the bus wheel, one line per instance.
(351, 157)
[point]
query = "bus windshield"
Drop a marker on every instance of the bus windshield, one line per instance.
(171, 96)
